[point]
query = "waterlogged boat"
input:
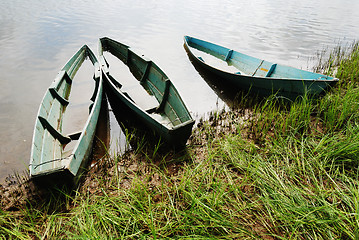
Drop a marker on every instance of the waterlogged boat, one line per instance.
(257, 75)
(168, 118)
(49, 163)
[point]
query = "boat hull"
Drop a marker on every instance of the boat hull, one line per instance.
(170, 105)
(256, 75)
(48, 164)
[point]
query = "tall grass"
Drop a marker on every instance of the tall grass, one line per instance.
(303, 190)
(306, 168)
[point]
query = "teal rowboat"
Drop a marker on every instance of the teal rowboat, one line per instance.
(49, 163)
(257, 75)
(169, 118)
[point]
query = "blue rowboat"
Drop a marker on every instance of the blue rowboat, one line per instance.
(49, 163)
(253, 74)
(168, 118)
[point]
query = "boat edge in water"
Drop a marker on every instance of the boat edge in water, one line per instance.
(70, 168)
(173, 136)
(262, 85)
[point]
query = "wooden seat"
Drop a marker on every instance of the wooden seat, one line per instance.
(57, 96)
(265, 69)
(229, 55)
(161, 106)
(53, 131)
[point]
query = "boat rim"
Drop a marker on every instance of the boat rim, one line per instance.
(188, 47)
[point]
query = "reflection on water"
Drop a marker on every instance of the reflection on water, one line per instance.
(227, 94)
(37, 38)
(117, 144)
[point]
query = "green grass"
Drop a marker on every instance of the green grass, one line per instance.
(271, 171)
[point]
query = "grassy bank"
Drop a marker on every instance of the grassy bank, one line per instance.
(268, 170)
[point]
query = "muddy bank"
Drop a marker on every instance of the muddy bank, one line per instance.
(17, 191)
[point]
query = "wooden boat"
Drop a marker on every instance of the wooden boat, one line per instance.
(49, 163)
(257, 75)
(169, 119)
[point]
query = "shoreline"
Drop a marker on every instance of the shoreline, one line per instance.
(267, 170)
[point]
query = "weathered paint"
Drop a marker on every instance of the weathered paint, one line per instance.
(47, 159)
(155, 81)
(258, 75)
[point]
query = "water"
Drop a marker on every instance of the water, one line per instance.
(38, 37)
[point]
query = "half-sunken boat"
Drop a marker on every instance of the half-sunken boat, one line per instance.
(49, 163)
(256, 75)
(169, 119)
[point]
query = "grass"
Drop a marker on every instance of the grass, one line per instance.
(269, 171)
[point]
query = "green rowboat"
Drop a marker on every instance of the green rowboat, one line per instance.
(257, 75)
(169, 118)
(49, 163)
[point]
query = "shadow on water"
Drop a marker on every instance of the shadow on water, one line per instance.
(138, 135)
(102, 138)
(231, 95)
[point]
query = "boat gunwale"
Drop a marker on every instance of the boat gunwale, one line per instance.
(188, 47)
(106, 72)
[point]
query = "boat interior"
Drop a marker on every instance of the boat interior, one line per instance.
(155, 93)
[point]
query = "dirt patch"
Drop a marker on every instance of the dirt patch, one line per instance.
(133, 165)
(16, 192)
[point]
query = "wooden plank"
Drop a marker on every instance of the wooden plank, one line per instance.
(53, 131)
(271, 70)
(165, 96)
(57, 96)
(229, 55)
(145, 73)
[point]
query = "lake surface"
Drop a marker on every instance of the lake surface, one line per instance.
(38, 37)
